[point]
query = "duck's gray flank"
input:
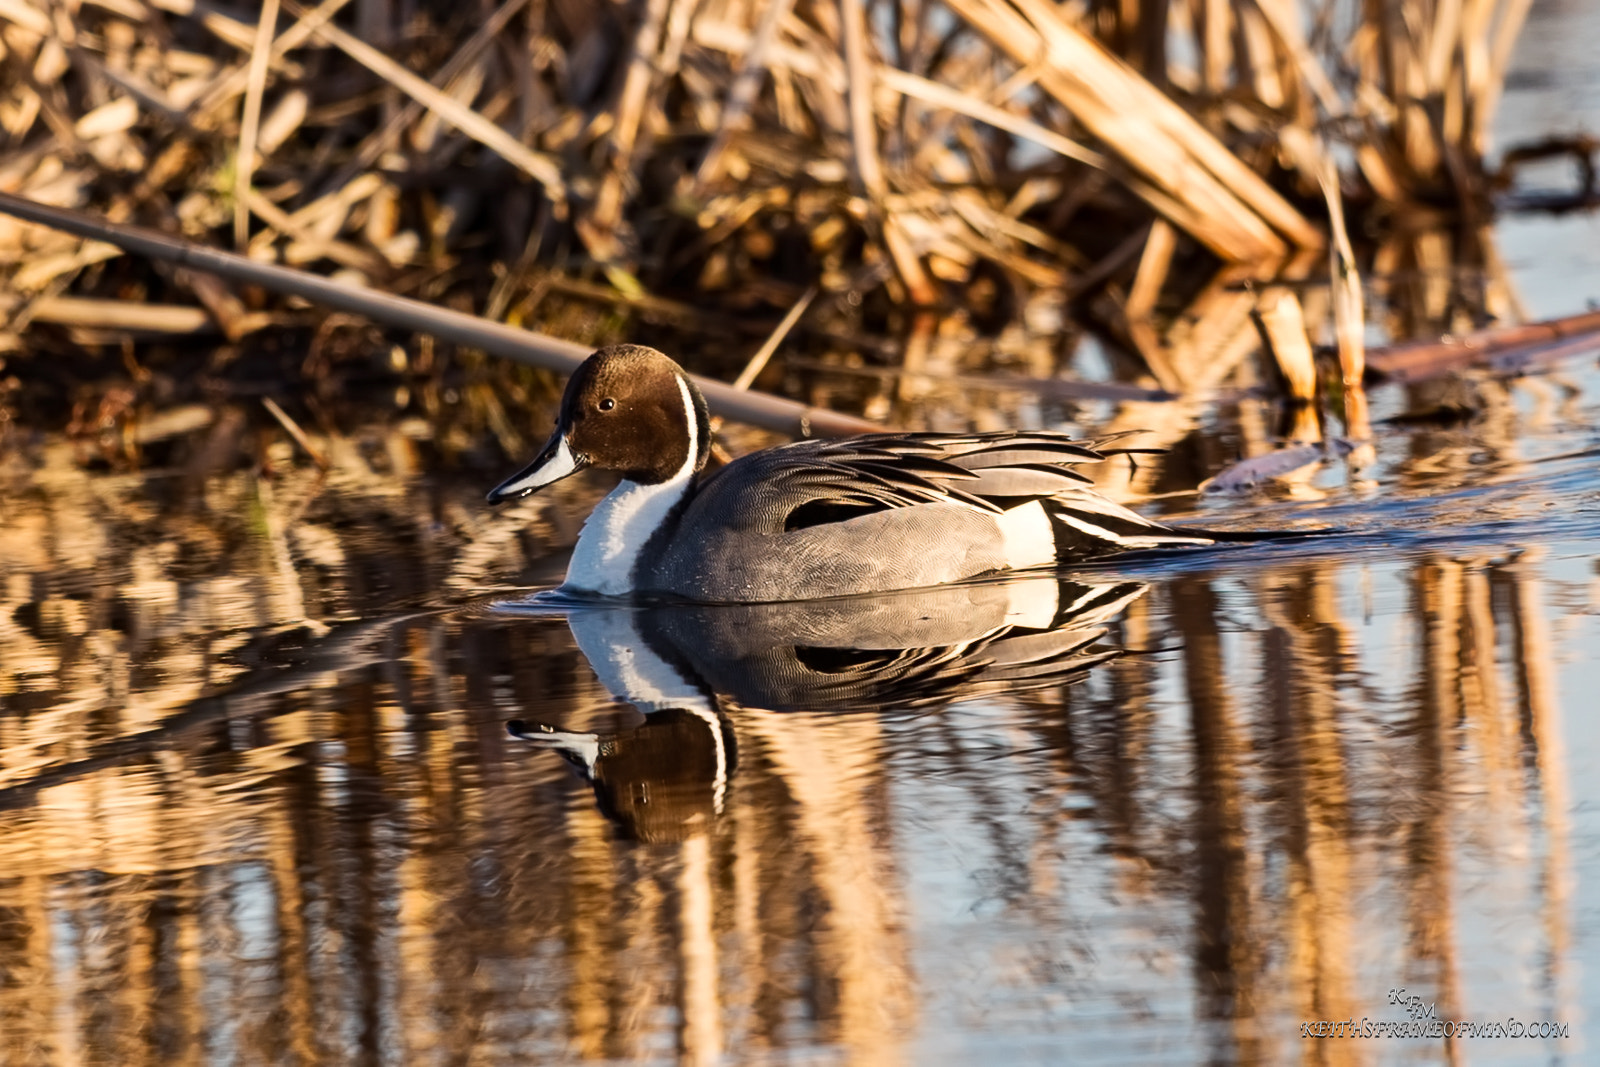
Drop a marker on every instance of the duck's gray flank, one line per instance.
(813, 518)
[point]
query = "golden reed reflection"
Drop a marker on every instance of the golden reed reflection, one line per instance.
(236, 825)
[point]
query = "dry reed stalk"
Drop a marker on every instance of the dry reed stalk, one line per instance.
(294, 431)
(313, 229)
(657, 307)
(1283, 328)
(1503, 38)
(907, 261)
(998, 229)
(296, 35)
(1216, 45)
(742, 93)
(607, 213)
(307, 246)
(174, 422)
(868, 170)
(121, 315)
(1283, 16)
(1213, 333)
(939, 194)
(537, 166)
(1228, 206)
(232, 82)
(462, 87)
(903, 250)
(35, 274)
(249, 125)
(944, 96)
(25, 16)
(758, 362)
(1269, 77)
(1154, 264)
(678, 24)
(1349, 316)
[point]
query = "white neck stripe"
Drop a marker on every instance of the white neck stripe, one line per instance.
(719, 784)
(608, 549)
(691, 419)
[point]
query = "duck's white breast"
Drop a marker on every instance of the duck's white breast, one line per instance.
(606, 557)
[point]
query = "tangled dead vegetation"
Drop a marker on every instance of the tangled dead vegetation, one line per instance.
(1164, 173)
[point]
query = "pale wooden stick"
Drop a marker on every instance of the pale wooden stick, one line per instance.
(295, 431)
(944, 96)
(245, 161)
(758, 362)
(121, 315)
(863, 123)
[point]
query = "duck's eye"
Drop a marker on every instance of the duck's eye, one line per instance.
(607, 404)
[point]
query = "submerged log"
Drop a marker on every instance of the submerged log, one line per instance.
(1499, 345)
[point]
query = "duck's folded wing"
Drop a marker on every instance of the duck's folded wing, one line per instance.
(814, 482)
(1011, 469)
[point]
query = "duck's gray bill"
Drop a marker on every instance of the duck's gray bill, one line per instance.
(554, 463)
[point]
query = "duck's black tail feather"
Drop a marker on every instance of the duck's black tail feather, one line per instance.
(1249, 536)
(1086, 525)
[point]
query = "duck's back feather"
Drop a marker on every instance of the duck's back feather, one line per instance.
(988, 471)
(893, 511)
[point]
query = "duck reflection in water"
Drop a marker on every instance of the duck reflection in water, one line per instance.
(685, 666)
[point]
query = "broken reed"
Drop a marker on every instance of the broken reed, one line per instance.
(732, 153)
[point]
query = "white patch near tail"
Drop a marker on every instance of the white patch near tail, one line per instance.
(1094, 608)
(1032, 602)
(1027, 538)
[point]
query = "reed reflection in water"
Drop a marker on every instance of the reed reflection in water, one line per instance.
(1173, 821)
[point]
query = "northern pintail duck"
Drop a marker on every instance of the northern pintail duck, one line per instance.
(817, 518)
